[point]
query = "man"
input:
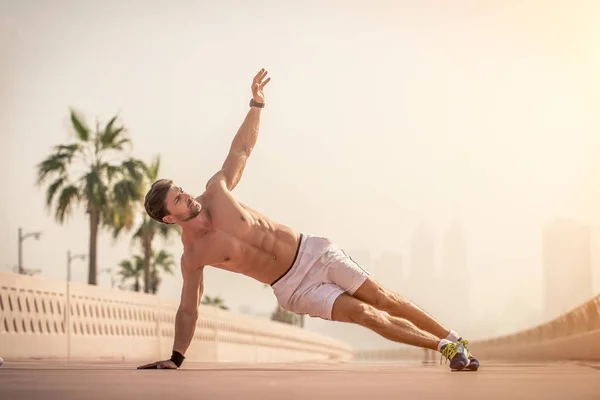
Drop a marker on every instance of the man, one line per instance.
(308, 274)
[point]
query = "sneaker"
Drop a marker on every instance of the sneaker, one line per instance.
(473, 362)
(455, 352)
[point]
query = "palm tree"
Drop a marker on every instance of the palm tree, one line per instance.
(132, 269)
(214, 302)
(288, 317)
(86, 172)
(163, 261)
(149, 228)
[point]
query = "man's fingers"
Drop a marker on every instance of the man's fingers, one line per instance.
(148, 366)
(257, 77)
(166, 364)
(262, 85)
(264, 74)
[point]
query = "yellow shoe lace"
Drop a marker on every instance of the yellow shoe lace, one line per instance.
(465, 345)
(449, 351)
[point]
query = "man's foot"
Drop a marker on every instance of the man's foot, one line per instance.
(456, 353)
(473, 362)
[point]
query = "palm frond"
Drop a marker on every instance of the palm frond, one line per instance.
(83, 132)
(53, 188)
(152, 169)
(54, 164)
(110, 171)
(131, 268)
(68, 196)
(95, 189)
(134, 170)
(165, 261)
(126, 270)
(111, 138)
(125, 193)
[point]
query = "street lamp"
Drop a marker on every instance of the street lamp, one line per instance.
(68, 302)
(69, 259)
(22, 238)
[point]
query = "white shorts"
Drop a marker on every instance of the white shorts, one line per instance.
(319, 274)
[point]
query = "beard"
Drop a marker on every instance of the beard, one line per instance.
(194, 212)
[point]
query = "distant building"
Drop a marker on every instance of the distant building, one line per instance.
(567, 269)
(455, 269)
(422, 279)
(389, 271)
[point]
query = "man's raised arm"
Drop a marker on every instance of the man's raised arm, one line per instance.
(185, 319)
(245, 138)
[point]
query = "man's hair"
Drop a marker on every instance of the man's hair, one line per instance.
(155, 202)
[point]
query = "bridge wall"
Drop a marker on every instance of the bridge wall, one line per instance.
(572, 336)
(115, 324)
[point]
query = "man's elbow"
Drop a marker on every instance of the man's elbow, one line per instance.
(188, 312)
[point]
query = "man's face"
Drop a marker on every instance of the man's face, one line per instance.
(181, 205)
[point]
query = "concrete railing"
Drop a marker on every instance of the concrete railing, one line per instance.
(572, 336)
(114, 324)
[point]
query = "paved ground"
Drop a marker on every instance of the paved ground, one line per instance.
(75, 381)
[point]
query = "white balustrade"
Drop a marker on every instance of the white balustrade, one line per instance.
(115, 324)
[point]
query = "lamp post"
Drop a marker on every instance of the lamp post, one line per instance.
(22, 238)
(69, 259)
(68, 302)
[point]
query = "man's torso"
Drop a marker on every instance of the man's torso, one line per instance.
(240, 239)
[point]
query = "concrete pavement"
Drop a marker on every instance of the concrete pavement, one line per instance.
(46, 380)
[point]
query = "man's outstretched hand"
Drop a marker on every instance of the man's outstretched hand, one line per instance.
(258, 84)
(167, 364)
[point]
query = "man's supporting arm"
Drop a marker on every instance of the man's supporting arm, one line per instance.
(187, 314)
(185, 320)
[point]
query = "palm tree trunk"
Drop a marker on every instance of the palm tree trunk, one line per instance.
(137, 284)
(147, 245)
(94, 223)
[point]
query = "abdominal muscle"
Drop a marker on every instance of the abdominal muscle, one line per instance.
(253, 246)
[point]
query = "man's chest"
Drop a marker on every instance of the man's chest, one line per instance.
(227, 215)
(218, 247)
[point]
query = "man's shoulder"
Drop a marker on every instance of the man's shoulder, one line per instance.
(197, 252)
(190, 265)
(216, 184)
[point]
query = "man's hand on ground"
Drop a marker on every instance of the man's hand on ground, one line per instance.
(258, 84)
(166, 364)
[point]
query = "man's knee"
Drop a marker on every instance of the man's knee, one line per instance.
(376, 295)
(385, 300)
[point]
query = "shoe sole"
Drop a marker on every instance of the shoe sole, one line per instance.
(469, 367)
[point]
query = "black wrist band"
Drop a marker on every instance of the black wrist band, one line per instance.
(255, 104)
(177, 358)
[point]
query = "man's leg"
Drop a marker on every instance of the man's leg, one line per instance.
(394, 304)
(347, 308)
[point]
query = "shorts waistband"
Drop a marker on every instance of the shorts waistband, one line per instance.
(302, 237)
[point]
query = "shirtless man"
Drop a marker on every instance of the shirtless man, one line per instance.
(308, 273)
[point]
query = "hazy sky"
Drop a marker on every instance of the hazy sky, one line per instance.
(381, 116)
